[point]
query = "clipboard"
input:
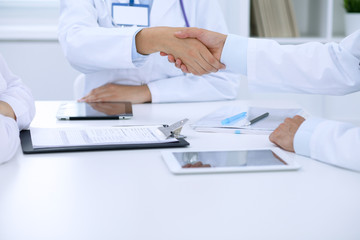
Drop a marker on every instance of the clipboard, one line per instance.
(27, 146)
(172, 131)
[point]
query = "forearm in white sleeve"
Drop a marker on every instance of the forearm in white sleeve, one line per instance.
(234, 54)
(18, 96)
(89, 47)
(9, 138)
(333, 142)
(306, 68)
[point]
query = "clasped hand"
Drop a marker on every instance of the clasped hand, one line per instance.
(212, 41)
(196, 57)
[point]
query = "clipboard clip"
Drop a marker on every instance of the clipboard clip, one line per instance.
(174, 130)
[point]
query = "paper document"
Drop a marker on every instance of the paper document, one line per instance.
(87, 136)
(270, 123)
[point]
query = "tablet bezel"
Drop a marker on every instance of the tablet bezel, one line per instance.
(127, 115)
(176, 168)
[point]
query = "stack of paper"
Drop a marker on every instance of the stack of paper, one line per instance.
(88, 136)
(212, 122)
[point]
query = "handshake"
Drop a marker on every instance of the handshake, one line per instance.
(193, 50)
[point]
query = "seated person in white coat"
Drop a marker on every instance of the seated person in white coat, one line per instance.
(17, 109)
(317, 68)
(117, 60)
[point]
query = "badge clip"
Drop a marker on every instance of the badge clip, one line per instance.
(174, 130)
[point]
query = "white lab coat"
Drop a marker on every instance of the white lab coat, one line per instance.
(18, 96)
(104, 53)
(330, 68)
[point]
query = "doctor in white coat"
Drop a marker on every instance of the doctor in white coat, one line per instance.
(17, 109)
(117, 61)
(332, 68)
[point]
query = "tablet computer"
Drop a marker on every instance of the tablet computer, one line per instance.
(187, 162)
(95, 111)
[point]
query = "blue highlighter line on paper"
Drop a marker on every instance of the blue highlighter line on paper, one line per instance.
(233, 119)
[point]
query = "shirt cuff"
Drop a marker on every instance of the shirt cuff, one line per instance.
(234, 54)
(303, 136)
(9, 138)
(155, 92)
(136, 57)
(18, 109)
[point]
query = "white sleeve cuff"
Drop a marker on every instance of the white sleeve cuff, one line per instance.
(9, 138)
(155, 92)
(137, 58)
(234, 54)
(303, 136)
(19, 110)
(24, 109)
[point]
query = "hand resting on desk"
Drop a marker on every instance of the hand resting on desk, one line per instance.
(115, 93)
(283, 136)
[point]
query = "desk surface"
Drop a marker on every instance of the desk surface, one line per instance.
(131, 195)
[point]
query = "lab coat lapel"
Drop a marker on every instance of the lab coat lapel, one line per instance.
(159, 9)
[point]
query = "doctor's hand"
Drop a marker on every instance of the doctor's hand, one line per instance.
(197, 57)
(212, 40)
(115, 93)
(283, 136)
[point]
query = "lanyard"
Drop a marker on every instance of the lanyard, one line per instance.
(131, 3)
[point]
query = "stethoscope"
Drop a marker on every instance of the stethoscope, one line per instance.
(181, 5)
(184, 13)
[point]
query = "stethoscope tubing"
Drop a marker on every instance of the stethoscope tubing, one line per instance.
(184, 13)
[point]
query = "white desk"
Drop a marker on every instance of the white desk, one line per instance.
(131, 195)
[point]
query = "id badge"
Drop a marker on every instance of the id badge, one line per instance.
(129, 15)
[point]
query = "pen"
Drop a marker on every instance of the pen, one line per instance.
(257, 119)
(233, 131)
(232, 119)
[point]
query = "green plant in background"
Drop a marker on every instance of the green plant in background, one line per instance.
(352, 6)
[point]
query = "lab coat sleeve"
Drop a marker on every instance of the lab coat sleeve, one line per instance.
(316, 68)
(9, 138)
(219, 86)
(234, 54)
(328, 141)
(18, 96)
(89, 47)
(137, 58)
(189, 88)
